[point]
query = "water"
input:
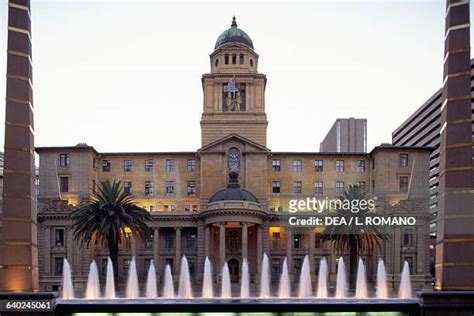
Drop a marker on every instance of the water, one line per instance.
(284, 289)
(305, 290)
(93, 284)
(184, 287)
(67, 290)
(132, 281)
(151, 290)
(341, 280)
(226, 291)
(109, 280)
(322, 291)
(361, 283)
(382, 290)
(168, 287)
(207, 291)
(245, 281)
(405, 283)
(265, 278)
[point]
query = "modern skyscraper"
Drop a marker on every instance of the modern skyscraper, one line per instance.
(347, 135)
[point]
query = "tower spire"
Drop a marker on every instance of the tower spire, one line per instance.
(234, 22)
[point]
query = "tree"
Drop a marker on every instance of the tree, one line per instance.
(356, 236)
(106, 217)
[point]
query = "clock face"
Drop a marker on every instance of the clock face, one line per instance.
(234, 160)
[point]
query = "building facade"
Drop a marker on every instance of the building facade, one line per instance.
(346, 135)
(229, 199)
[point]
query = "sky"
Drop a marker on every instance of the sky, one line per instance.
(126, 75)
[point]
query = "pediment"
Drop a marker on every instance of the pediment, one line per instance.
(234, 140)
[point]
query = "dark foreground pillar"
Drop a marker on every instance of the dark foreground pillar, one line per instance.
(455, 244)
(18, 241)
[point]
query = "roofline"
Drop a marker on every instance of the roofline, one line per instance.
(65, 148)
(393, 147)
(149, 153)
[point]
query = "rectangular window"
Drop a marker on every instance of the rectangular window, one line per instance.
(360, 165)
(63, 160)
(234, 59)
(93, 187)
(106, 165)
(127, 165)
(169, 187)
(149, 189)
(64, 184)
(173, 207)
(191, 164)
(152, 208)
(318, 166)
(297, 188)
(126, 266)
(297, 165)
(169, 165)
(59, 237)
(403, 160)
(103, 266)
(149, 165)
(58, 266)
(147, 264)
(318, 188)
(297, 241)
(127, 187)
(191, 240)
(191, 188)
(166, 208)
(275, 267)
(276, 165)
(339, 188)
(194, 208)
(169, 241)
(408, 238)
(276, 240)
(340, 165)
(361, 185)
(276, 188)
(226, 59)
(241, 59)
(403, 183)
(148, 244)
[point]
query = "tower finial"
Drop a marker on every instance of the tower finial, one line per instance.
(234, 22)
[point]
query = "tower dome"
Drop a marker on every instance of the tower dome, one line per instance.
(234, 34)
(233, 192)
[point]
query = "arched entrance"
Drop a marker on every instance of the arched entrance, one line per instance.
(234, 269)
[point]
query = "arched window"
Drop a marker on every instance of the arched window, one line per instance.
(216, 62)
(233, 160)
(251, 62)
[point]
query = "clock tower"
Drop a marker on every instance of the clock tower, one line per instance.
(234, 91)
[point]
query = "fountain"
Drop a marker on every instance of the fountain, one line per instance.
(361, 283)
(284, 290)
(67, 291)
(305, 290)
(382, 290)
(265, 278)
(323, 279)
(132, 281)
(405, 283)
(109, 281)
(168, 287)
(245, 281)
(93, 285)
(184, 287)
(151, 291)
(341, 280)
(226, 291)
(207, 291)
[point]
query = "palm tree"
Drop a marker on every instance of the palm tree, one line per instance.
(355, 238)
(106, 217)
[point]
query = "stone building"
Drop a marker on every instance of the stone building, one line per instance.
(228, 200)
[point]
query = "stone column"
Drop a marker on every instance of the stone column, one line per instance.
(133, 245)
(245, 249)
(177, 258)
(289, 256)
(156, 250)
(47, 250)
(221, 246)
(311, 244)
(259, 249)
(207, 239)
